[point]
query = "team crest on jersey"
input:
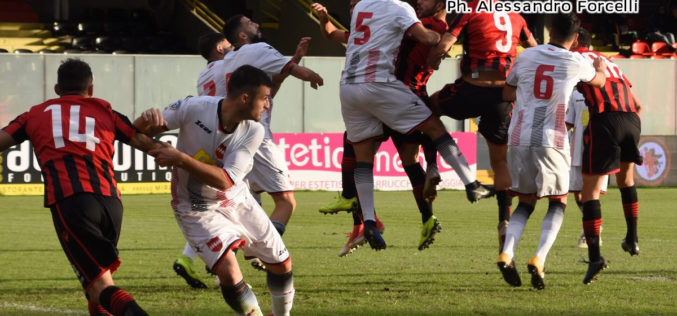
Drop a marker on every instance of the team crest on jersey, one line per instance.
(174, 106)
(215, 244)
(220, 151)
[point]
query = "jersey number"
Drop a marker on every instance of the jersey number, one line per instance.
(502, 23)
(359, 27)
(538, 82)
(611, 71)
(210, 87)
(73, 127)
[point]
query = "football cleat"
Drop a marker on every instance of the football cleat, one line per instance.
(476, 191)
(502, 230)
(507, 267)
(432, 179)
(258, 265)
(371, 233)
(594, 268)
(535, 267)
(430, 228)
(355, 240)
(630, 247)
(183, 266)
(339, 204)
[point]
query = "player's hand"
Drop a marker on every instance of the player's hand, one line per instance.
(434, 61)
(316, 81)
(153, 117)
(599, 64)
(321, 11)
(302, 48)
(166, 156)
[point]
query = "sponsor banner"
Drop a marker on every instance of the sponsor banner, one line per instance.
(314, 161)
(657, 169)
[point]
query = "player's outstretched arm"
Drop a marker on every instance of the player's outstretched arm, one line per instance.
(328, 29)
(600, 78)
(6, 141)
(306, 74)
(208, 174)
(151, 122)
(530, 42)
(436, 54)
(424, 35)
(301, 49)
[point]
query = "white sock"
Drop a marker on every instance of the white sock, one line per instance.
(364, 183)
(551, 224)
(189, 252)
(518, 220)
(450, 152)
(282, 291)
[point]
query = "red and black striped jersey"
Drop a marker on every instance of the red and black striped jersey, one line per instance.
(411, 66)
(73, 139)
(489, 39)
(615, 96)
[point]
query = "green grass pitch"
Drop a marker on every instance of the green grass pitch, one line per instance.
(457, 275)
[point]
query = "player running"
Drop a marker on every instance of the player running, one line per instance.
(610, 148)
(73, 138)
(211, 201)
(490, 46)
(541, 81)
(371, 96)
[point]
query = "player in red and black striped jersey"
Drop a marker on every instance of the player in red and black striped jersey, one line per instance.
(610, 146)
(73, 138)
(490, 45)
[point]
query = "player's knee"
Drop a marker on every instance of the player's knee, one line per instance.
(280, 268)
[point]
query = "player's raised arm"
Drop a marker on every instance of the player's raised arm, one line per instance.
(6, 141)
(328, 29)
(424, 35)
(600, 78)
(438, 52)
(304, 74)
(151, 122)
(529, 42)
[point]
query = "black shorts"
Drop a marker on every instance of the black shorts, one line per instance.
(88, 227)
(461, 100)
(415, 137)
(610, 138)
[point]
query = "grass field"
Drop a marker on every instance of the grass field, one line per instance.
(456, 275)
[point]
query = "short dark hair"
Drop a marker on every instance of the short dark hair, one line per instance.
(584, 38)
(247, 79)
(207, 42)
(232, 27)
(564, 26)
(74, 76)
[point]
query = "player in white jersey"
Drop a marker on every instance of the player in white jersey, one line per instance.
(270, 173)
(212, 46)
(577, 119)
(212, 204)
(538, 148)
(371, 96)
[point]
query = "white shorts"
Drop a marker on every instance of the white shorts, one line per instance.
(576, 180)
(543, 171)
(269, 173)
(240, 225)
(367, 106)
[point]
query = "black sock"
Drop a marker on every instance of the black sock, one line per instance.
(239, 296)
(348, 169)
(630, 210)
(592, 220)
(429, 150)
(279, 227)
(119, 302)
(417, 178)
(504, 202)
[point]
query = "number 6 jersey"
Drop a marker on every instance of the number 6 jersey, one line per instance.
(73, 139)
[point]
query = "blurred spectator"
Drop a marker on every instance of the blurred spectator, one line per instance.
(659, 25)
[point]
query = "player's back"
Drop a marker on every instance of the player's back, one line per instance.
(73, 139)
(377, 28)
(489, 39)
(545, 76)
(212, 80)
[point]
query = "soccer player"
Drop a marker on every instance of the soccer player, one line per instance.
(73, 138)
(541, 81)
(610, 147)
(577, 119)
(211, 81)
(490, 45)
(211, 201)
(372, 96)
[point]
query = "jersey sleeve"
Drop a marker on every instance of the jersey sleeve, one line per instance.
(458, 23)
(586, 72)
(17, 128)
(174, 114)
(124, 129)
(272, 61)
(237, 161)
(406, 17)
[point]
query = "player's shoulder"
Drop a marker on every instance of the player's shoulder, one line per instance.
(253, 128)
(435, 24)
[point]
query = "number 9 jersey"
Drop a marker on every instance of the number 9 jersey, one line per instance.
(73, 138)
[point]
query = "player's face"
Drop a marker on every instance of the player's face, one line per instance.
(425, 8)
(252, 30)
(259, 103)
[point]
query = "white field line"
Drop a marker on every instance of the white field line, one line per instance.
(35, 308)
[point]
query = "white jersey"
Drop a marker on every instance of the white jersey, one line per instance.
(202, 138)
(212, 80)
(378, 27)
(578, 116)
(544, 76)
(264, 57)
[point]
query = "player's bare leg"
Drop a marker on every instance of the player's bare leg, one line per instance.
(235, 291)
(498, 157)
(626, 184)
(285, 204)
(100, 294)
(364, 182)
(592, 222)
(450, 152)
